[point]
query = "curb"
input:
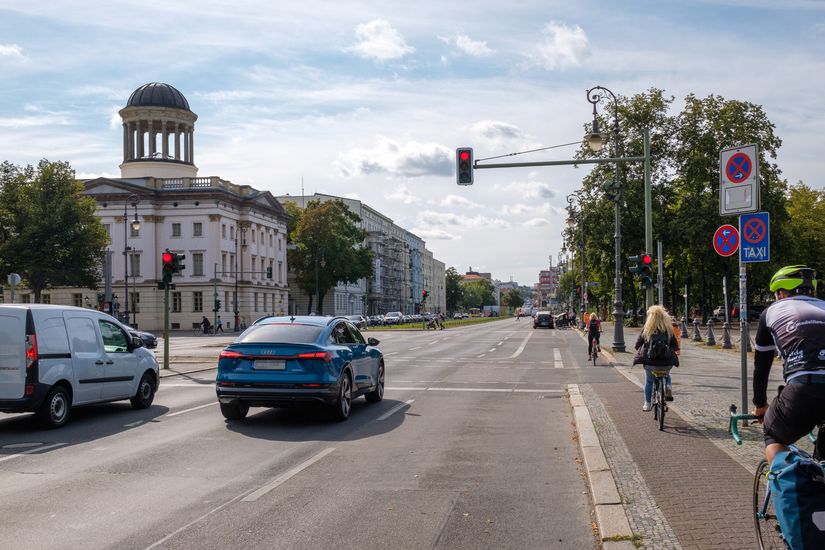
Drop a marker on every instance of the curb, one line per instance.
(611, 518)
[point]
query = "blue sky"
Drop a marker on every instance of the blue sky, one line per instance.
(370, 99)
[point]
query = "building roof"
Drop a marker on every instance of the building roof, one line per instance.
(158, 94)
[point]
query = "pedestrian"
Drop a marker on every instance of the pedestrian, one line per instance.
(657, 347)
(218, 325)
(441, 321)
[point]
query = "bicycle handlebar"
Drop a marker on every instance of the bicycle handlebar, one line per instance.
(734, 425)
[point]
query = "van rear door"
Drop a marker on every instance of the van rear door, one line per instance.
(12, 353)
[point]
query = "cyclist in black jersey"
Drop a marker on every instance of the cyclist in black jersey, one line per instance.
(793, 327)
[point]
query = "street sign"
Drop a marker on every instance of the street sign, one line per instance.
(754, 230)
(738, 180)
(726, 240)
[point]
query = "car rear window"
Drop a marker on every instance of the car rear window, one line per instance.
(283, 332)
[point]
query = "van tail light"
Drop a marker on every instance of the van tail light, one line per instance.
(325, 356)
(29, 390)
(227, 354)
(31, 350)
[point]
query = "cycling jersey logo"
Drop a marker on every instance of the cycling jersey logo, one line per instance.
(791, 326)
(822, 355)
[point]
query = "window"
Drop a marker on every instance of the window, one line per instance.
(134, 302)
(280, 272)
(255, 301)
(45, 298)
(82, 335)
(223, 264)
(253, 236)
(114, 339)
(226, 300)
(270, 240)
(176, 230)
(134, 265)
(176, 302)
(197, 229)
(252, 265)
(77, 300)
(108, 228)
(232, 266)
(197, 261)
(232, 232)
(223, 231)
(197, 300)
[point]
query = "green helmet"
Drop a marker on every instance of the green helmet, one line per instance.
(794, 278)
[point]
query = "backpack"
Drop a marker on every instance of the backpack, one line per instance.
(798, 496)
(658, 349)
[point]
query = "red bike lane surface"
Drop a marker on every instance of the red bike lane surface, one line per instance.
(704, 494)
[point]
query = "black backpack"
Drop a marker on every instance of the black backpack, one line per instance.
(658, 349)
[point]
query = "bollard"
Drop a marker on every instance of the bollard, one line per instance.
(684, 327)
(697, 336)
(726, 336)
(711, 341)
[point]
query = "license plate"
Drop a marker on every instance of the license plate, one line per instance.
(270, 364)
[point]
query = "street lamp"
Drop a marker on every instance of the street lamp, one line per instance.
(235, 304)
(133, 200)
(571, 219)
(595, 141)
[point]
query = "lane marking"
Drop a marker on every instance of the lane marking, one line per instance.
(32, 451)
(492, 350)
(391, 353)
(500, 343)
(133, 424)
(559, 365)
(190, 410)
(283, 478)
(395, 409)
(415, 348)
(522, 346)
(557, 354)
(497, 390)
(482, 355)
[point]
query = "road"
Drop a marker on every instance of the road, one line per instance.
(472, 447)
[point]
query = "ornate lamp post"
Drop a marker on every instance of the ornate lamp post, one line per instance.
(236, 311)
(571, 220)
(133, 200)
(595, 140)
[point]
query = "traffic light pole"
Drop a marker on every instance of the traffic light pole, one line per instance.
(165, 325)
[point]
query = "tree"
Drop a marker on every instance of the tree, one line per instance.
(478, 294)
(512, 298)
(454, 292)
(327, 247)
(806, 226)
(49, 233)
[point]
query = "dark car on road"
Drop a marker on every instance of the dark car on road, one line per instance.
(543, 319)
(149, 339)
(285, 361)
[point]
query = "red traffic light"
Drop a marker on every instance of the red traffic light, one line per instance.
(464, 155)
(166, 257)
(647, 259)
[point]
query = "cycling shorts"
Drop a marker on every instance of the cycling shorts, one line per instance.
(796, 411)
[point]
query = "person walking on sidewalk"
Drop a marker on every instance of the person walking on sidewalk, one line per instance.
(218, 325)
(794, 326)
(594, 330)
(657, 332)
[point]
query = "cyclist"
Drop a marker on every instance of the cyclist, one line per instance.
(793, 326)
(594, 330)
(658, 322)
(206, 325)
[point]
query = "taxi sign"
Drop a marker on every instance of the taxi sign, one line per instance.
(754, 230)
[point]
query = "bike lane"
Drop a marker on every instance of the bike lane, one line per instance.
(689, 486)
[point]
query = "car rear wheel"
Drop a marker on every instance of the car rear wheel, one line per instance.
(55, 409)
(377, 394)
(145, 393)
(340, 410)
(234, 411)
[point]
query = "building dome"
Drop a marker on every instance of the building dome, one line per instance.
(158, 94)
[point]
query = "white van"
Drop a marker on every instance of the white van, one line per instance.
(55, 357)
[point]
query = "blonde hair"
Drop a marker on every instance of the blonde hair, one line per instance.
(593, 317)
(658, 320)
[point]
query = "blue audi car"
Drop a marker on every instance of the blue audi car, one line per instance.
(285, 361)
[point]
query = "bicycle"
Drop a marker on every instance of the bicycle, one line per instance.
(659, 401)
(198, 331)
(765, 522)
(594, 350)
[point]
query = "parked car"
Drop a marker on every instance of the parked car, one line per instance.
(543, 319)
(55, 357)
(393, 318)
(376, 320)
(149, 340)
(457, 315)
(359, 321)
(719, 311)
(284, 361)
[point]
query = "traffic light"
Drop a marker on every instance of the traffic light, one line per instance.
(464, 165)
(646, 271)
(635, 268)
(217, 306)
(424, 294)
(168, 261)
(269, 272)
(177, 265)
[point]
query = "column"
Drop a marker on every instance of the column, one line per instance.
(185, 144)
(177, 141)
(125, 142)
(165, 139)
(192, 145)
(139, 137)
(151, 133)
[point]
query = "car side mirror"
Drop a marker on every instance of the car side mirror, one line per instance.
(372, 341)
(137, 342)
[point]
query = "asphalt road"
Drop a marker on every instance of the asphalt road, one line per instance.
(472, 447)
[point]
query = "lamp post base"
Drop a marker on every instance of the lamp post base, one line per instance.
(618, 328)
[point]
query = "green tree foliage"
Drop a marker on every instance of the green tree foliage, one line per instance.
(478, 294)
(326, 247)
(806, 228)
(49, 233)
(512, 298)
(453, 289)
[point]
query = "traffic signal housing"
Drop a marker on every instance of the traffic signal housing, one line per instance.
(177, 263)
(464, 165)
(217, 307)
(646, 271)
(424, 294)
(635, 268)
(168, 262)
(269, 272)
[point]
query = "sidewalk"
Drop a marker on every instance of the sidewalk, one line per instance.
(689, 486)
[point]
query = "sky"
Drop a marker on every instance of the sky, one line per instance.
(370, 100)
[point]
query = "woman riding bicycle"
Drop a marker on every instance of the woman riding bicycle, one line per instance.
(658, 328)
(594, 330)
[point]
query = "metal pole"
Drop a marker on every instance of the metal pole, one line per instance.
(235, 296)
(648, 207)
(126, 257)
(165, 325)
(581, 254)
(743, 331)
(618, 308)
(215, 297)
(659, 275)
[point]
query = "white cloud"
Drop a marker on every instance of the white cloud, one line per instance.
(12, 51)
(520, 209)
(496, 130)
(402, 194)
(434, 234)
(408, 160)
(536, 222)
(562, 47)
(428, 217)
(468, 46)
(379, 40)
(526, 189)
(456, 200)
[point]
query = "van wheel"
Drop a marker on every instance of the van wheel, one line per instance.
(54, 412)
(145, 393)
(234, 411)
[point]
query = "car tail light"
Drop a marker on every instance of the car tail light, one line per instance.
(310, 385)
(29, 390)
(227, 354)
(226, 384)
(325, 356)
(31, 350)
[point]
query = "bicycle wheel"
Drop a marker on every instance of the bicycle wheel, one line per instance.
(662, 405)
(768, 533)
(197, 331)
(655, 399)
(595, 351)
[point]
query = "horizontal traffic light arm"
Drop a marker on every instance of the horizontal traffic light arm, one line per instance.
(478, 166)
